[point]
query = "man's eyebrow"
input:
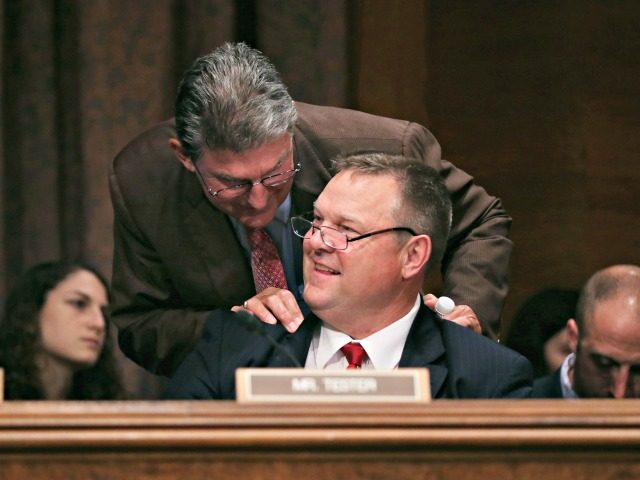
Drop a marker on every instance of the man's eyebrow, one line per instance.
(280, 161)
(342, 220)
(602, 356)
(228, 178)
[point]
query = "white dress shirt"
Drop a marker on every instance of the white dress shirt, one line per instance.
(384, 348)
(565, 381)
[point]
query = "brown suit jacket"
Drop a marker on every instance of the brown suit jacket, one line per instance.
(177, 257)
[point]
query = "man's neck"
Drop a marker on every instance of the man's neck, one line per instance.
(384, 348)
(366, 322)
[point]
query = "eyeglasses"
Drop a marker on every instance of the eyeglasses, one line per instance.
(240, 189)
(332, 237)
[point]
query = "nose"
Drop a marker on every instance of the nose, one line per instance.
(620, 387)
(315, 241)
(258, 196)
(97, 320)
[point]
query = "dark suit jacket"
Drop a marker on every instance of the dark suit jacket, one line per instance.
(461, 363)
(177, 258)
(547, 386)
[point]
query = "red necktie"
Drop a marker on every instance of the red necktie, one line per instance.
(355, 354)
(265, 263)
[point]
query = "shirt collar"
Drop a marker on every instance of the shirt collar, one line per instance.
(565, 382)
(384, 347)
(284, 210)
(278, 224)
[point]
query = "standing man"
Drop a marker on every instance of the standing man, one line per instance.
(367, 245)
(209, 231)
(604, 338)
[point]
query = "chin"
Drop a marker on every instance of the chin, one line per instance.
(257, 221)
(318, 303)
(84, 363)
(312, 302)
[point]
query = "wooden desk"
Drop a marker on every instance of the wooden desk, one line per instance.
(524, 439)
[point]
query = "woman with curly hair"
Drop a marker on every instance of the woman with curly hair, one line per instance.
(54, 342)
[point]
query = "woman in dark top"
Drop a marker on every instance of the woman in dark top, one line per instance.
(54, 339)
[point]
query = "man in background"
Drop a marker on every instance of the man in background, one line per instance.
(604, 338)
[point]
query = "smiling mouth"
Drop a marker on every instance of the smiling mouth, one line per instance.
(323, 269)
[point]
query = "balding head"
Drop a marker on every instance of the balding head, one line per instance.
(621, 282)
(606, 335)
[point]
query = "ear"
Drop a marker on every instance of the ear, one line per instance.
(572, 334)
(181, 153)
(415, 255)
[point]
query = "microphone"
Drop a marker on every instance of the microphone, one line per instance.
(253, 324)
(444, 306)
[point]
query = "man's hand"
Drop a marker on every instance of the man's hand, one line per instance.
(274, 305)
(462, 314)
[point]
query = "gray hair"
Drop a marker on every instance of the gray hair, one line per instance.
(232, 98)
(603, 285)
(424, 206)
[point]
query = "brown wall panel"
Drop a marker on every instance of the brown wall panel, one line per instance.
(539, 101)
(30, 157)
(390, 58)
(307, 41)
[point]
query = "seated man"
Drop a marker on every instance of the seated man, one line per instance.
(366, 249)
(604, 338)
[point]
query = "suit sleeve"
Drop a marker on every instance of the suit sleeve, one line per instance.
(152, 330)
(198, 377)
(475, 266)
(517, 379)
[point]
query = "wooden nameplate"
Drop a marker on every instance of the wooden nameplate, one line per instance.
(300, 385)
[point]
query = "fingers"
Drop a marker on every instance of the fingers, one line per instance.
(275, 305)
(465, 316)
(430, 300)
(462, 314)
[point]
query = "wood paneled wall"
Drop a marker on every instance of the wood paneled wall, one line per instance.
(540, 101)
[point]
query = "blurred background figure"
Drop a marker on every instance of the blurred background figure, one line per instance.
(538, 330)
(604, 338)
(54, 342)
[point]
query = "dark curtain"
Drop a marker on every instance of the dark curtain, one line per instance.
(81, 78)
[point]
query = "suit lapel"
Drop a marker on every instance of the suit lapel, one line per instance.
(424, 348)
(295, 343)
(223, 259)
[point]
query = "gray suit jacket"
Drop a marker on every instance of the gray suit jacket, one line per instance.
(177, 257)
(461, 363)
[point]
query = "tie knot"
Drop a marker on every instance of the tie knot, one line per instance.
(257, 236)
(354, 353)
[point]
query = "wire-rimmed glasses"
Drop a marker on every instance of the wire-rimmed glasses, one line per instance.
(270, 181)
(334, 238)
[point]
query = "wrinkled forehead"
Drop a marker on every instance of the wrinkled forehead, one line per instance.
(613, 327)
(359, 196)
